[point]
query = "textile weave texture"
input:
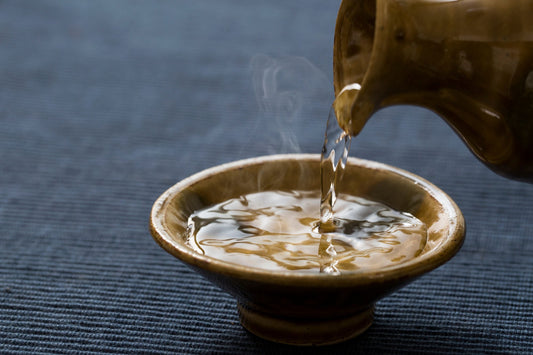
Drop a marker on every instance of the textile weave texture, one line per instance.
(106, 104)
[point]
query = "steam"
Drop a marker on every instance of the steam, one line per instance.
(288, 91)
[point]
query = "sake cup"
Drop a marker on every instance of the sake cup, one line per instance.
(307, 308)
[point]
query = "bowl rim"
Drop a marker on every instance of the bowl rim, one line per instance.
(406, 270)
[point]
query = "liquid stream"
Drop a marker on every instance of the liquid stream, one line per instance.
(278, 230)
(334, 156)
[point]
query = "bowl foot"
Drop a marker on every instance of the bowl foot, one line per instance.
(305, 331)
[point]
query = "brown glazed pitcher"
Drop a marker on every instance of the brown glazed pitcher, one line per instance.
(470, 61)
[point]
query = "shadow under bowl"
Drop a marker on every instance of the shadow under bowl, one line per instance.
(303, 308)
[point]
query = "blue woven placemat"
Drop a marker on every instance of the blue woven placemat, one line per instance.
(105, 104)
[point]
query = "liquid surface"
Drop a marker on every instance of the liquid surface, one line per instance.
(276, 230)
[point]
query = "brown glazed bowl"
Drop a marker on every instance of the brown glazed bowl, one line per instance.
(303, 308)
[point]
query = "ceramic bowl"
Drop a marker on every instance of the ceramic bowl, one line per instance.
(305, 308)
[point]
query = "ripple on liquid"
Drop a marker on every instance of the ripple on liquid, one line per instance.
(279, 230)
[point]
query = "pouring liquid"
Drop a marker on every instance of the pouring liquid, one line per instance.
(334, 156)
(284, 230)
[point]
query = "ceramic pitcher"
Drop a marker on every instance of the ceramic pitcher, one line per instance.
(470, 61)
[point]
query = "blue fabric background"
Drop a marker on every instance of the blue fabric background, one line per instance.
(105, 104)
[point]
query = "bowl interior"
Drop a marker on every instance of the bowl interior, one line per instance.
(394, 187)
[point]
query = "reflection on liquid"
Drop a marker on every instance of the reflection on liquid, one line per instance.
(277, 230)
